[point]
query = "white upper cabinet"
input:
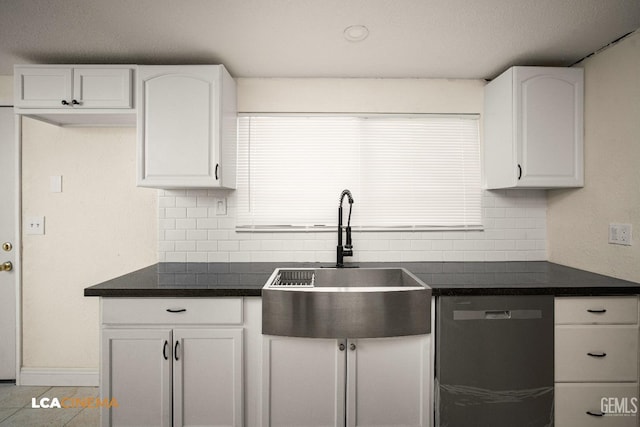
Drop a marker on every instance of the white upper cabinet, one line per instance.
(75, 95)
(73, 87)
(187, 127)
(533, 128)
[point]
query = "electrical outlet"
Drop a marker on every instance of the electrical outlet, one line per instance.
(34, 225)
(620, 234)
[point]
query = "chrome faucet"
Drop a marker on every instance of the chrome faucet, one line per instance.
(347, 249)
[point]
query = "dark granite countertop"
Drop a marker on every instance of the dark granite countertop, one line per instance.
(445, 278)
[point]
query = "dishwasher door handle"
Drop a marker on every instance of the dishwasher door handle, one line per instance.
(496, 314)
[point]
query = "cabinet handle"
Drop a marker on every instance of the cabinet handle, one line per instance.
(519, 171)
(217, 167)
(65, 102)
(176, 310)
(600, 310)
(341, 347)
(164, 349)
(352, 347)
(175, 351)
(602, 354)
(75, 102)
(595, 414)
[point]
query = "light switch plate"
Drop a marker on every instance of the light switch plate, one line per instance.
(34, 225)
(55, 183)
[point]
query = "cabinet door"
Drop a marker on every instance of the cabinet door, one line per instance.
(207, 377)
(177, 126)
(39, 87)
(102, 87)
(388, 381)
(136, 371)
(303, 382)
(549, 126)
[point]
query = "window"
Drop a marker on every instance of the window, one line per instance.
(405, 171)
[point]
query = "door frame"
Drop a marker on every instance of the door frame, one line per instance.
(18, 242)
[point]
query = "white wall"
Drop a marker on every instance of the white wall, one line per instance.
(6, 90)
(515, 221)
(578, 220)
(101, 226)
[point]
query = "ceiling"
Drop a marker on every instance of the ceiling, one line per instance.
(304, 38)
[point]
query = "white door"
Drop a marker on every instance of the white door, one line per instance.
(303, 382)
(102, 87)
(39, 87)
(8, 245)
(207, 377)
(177, 126)
(388, 382)
(136, 365)
(550, 126)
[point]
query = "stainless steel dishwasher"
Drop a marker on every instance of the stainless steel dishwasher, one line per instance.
(494, 361)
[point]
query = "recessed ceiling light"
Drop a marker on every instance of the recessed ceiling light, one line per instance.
(356, 33)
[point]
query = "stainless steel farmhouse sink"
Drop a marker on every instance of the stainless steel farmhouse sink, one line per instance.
(345, 303)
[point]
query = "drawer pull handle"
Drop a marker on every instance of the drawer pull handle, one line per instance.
(603, 354)
(599, 310)
(176, 310)
(164, 349)
(595, 414)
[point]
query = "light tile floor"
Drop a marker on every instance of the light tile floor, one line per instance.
(16, 407)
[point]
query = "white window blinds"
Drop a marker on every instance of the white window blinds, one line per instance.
(418, 171)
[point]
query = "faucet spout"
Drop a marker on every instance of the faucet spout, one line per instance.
(347, 249)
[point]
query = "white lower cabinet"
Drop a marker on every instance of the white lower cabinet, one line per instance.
(135, 374)
(586, 405)
(161, 375)
(355, 382)
(596, 361)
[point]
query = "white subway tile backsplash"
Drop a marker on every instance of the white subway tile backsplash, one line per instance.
(167, 224)
(175, 235)
(191, 231)
(197, 212)
(207, 246)
(197, 235)
(185, 224)
(175, 212)
(228, 245)
(166, 202)
(207, 223)
(185, 202)
(197, 257)
(185, 246)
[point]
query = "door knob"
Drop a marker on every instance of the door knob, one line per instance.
(6, 266)
(7, 246)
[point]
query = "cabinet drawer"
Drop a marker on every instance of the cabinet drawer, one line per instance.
(173, 311)
(596, 310)
(572, 401)
(617, 346)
